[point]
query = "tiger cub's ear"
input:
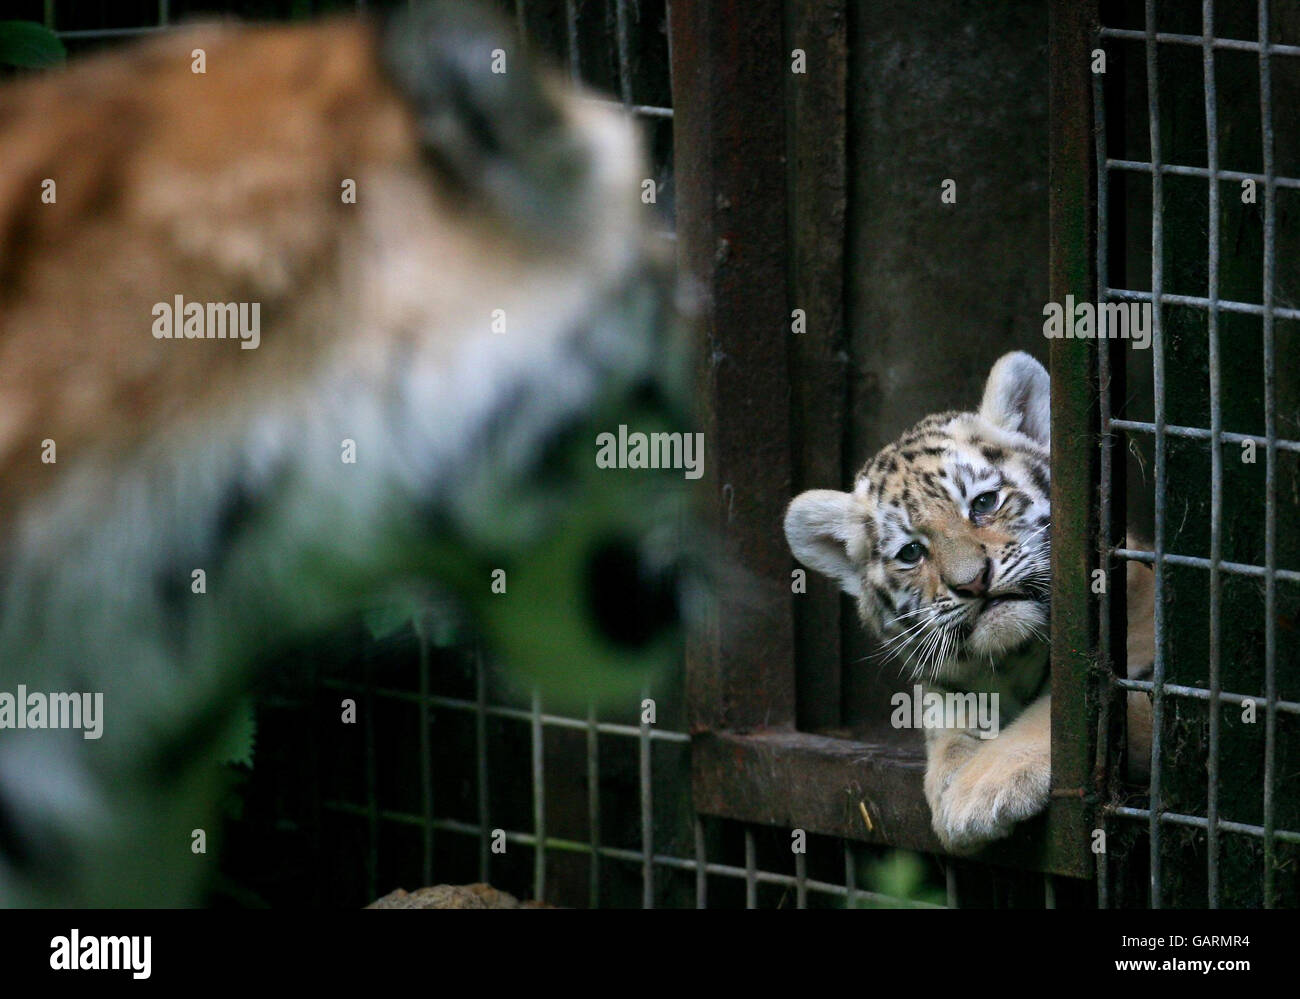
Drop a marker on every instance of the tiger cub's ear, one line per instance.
(1018, 397)
(820, 530)
(490, 119)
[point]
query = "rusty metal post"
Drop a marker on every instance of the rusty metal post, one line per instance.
(729, 69)
(818, 136)
(1075, 444)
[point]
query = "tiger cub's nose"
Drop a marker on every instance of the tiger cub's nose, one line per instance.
(976, 586)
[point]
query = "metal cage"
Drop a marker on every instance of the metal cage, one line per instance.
(699, 808)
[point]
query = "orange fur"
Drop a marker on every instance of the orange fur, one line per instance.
(151, 204)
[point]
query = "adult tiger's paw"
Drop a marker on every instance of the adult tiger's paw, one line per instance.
(982, 800)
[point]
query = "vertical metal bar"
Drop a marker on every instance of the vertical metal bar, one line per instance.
(1106, 463)
(950, 885)
(1216, 452)
(1158, 379)
(593, 805)
(164, 11)
(647, 818)
(1270, 473)
(539, 801)
(481, 747)
(521, 22)
(372, 781)
(426, 748)
(817, 147)
(850, 877)
(701, 867)
(1103, 863)
(624, 51)
(1049, 892)
(801, 881)
(732, 229)
(668, 25)
(1075, 455)
(575, 53)
(314, 777)
(751, 870)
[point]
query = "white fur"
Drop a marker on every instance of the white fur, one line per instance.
(821, 531)
(1018, 397)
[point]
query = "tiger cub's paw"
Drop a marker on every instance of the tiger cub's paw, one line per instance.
(984, 799)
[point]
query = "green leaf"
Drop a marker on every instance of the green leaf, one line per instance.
(29, 45)
(238, 739)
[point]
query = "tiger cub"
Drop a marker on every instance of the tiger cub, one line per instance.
(944, 543)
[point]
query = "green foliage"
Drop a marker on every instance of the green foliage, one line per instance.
(901, 875)
(28, 45)
(236, 743)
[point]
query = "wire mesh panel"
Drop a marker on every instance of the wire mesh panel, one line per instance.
(1195, 150)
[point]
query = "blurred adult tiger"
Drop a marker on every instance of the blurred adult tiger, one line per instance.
(456, 293)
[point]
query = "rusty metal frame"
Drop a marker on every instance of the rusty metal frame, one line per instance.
(1076, 450)
(729, 151)
(742, 216)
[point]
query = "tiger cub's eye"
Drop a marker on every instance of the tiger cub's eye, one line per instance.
(910, 553)
(984, 503)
